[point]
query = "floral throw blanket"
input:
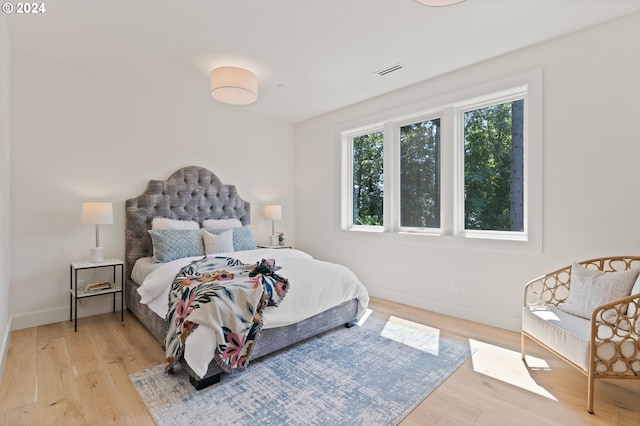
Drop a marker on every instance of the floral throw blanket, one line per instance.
(227, 296)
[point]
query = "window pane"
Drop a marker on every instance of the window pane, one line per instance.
(420, 174)
(493, 167)
(368, 179)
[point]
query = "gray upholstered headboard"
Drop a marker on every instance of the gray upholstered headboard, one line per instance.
(191, 193)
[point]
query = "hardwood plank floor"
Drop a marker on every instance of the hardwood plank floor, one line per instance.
(56, 376)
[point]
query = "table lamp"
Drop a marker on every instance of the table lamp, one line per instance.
(273, 212)
(97, 214)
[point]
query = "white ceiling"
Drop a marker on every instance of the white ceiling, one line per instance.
(310, 56)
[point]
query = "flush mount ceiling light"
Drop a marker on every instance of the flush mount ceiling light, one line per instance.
(439, 2)
(233, 85)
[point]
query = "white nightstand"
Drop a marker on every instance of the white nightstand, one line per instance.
(265, 245)
(75, 293)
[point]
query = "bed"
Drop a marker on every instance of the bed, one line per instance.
(195, 194)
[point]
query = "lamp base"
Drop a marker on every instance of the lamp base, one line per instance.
(273, 240)
(97, 254)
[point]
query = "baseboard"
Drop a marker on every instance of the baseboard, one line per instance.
(465, 312)
(4, 347)
(86, 307)
(34, 319)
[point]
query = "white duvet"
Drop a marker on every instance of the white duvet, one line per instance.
(315, 286)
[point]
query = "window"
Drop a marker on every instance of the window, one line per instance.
(420, 175)
(368, 179)
(461, 170)
(494, 167)
(491, 189)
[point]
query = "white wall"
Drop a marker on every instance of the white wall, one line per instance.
(81, 136)
(591, 148)
(5, 200)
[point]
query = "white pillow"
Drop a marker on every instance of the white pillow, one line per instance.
(592, 288)
(213, 224)
(636, 286)
(632, 307)
(217, 243)
(165, 223)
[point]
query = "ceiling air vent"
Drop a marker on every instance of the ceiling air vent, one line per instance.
(389, 70)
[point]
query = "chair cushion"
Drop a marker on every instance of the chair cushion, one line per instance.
(566, 334)
(569, 336)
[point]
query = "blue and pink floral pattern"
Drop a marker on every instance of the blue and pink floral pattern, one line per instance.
(226, 296)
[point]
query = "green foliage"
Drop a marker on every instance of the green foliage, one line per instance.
(488, 167)
(368, 179)
(420, 174)
(493, 170)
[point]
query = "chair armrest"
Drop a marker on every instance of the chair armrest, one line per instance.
(615, 338)
(549, 289)
(621, 314)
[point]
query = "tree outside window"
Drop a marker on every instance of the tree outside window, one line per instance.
(420, 174)
(493, 167)
(368, 179)
(456, 171)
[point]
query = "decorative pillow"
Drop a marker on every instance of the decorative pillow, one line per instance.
(172, 244)
(636, 286)
(165, 223)
(632, 307)
(220, 243)
(213, 224)
(242, 238)
(592, 288)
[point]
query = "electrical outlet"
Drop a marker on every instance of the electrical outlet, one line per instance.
(455, 286)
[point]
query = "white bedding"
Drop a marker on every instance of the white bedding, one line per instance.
(315, 286)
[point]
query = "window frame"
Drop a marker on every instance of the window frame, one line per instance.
(491, 99)
(347, 179)
(445, 106)
(397, 180)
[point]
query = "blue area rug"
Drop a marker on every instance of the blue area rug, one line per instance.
(374, 374)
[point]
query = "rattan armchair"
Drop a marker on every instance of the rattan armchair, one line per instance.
(606, 346)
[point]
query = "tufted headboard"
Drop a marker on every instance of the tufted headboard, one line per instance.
(191, 193)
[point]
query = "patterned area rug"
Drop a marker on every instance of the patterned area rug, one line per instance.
(374, 374)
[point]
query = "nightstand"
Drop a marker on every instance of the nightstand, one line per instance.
(75, 293)
(273, 247)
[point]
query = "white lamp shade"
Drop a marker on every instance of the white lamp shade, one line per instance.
(439, 2)
(233, 85)
(273, 212)
(97, 214)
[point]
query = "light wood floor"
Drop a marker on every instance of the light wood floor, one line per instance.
(55, 376)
